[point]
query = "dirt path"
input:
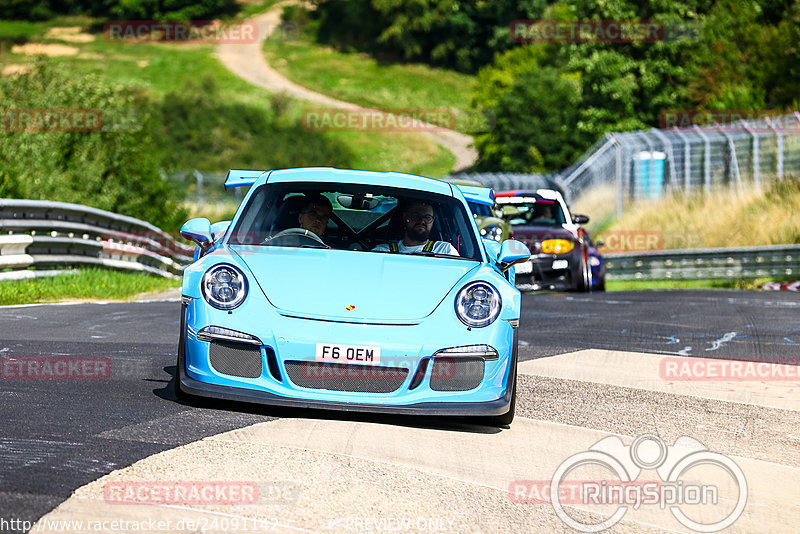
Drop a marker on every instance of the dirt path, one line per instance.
(248, 62)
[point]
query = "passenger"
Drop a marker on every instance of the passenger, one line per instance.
(417, 221)
(543, 214)
(314, 213)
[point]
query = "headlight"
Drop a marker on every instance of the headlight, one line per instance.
(594, 261)
(557, 246)
(224, 286)
(478, 304)
(492, 232)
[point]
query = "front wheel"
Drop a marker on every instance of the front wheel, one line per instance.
(584, 283)
(508, 417)
(176, 384)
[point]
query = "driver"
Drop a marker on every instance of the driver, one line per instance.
(314, 213)
(417, 221)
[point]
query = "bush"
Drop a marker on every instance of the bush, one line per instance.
(457, 34)
(204, 131)
(112, 170)
(119, 9)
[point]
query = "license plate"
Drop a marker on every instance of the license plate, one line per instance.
(364, 355)
(560, 264)
(524, 268)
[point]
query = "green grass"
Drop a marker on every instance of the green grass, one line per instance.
(363, 80)
(250, 9)
(733, 283)
(720, 218)
(159, 68)
(83, 284)
(19, 31)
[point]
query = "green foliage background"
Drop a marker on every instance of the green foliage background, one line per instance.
(121, 167)
(118, 9)
(552, 101)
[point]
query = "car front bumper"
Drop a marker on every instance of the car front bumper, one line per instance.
(294, 340)
(549, 271)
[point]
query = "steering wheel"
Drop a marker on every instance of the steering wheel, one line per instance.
(298, 234)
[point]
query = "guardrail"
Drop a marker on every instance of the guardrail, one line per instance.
(713, 263)
(48, 234)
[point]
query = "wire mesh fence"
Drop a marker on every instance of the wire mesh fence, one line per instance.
(724, 152)
(647, 164)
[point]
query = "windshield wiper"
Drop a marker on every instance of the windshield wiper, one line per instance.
(433, 254)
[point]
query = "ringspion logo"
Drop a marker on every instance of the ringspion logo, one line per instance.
(691, 478)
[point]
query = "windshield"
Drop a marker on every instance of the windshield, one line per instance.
(358, 218)
(540, 213)
(480, 210)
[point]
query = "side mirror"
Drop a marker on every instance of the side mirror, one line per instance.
(580, 219)
(219, 228)
(199, 231)
(512, 252)
(599, 244)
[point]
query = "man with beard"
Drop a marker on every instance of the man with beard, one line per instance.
(417, 222)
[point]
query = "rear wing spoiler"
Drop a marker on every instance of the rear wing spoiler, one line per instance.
(479, 195)
(242, 178)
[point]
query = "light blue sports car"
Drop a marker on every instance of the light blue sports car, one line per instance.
(351, 290)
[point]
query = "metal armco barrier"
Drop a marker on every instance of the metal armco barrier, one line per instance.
(48, 234)
(719, 263)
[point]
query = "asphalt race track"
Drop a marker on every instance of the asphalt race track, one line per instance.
(60, 435)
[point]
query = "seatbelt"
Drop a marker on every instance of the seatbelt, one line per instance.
(427, 248)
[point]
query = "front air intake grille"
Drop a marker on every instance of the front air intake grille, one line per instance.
(346, 377)
(456, 374)
(236, 359)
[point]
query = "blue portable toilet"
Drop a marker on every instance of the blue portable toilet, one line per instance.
(648, 174)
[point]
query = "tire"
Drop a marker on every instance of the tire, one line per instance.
(601, 286)
(584, 282)
(508, 417)
(176, 383)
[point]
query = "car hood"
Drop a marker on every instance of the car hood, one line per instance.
(352, 286)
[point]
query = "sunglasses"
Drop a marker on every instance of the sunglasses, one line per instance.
(415, 217)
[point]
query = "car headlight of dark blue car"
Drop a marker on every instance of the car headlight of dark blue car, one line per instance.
(224, 286)
(492, 232)
(478, 304)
